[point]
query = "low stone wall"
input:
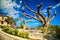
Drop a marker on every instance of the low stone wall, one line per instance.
(5, 36)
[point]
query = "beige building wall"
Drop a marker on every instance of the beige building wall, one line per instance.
(0, 18)
(4, 23)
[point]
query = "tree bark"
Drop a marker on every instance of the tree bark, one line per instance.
(46, 26)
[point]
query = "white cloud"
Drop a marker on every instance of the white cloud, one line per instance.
(44, 10)
(33, 20)
(7, 6)
(20, 1)
(56, 5)
(18, 6)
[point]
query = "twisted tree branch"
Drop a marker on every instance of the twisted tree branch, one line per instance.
(39, 13)
(41, 17)
(35, 13)
(48, 11)
(53, 15)
(27, 15)
(28, 8)
(39, 6)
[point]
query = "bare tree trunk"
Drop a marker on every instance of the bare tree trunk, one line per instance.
(46, 26)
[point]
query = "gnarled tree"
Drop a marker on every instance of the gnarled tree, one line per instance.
(39, 16)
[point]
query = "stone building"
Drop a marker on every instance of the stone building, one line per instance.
(2, 20)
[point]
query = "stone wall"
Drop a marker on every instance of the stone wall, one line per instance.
(5, 36)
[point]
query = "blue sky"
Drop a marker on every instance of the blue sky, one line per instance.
(13, 9)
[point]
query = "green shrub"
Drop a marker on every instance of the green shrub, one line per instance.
(53, 36)
(10, 31)
(20, 34)
(26, 35)
(42, 29)
(15, 32)
(23, 34)
(5, 29)
(58, 28)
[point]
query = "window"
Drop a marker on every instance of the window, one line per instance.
(2, 22)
